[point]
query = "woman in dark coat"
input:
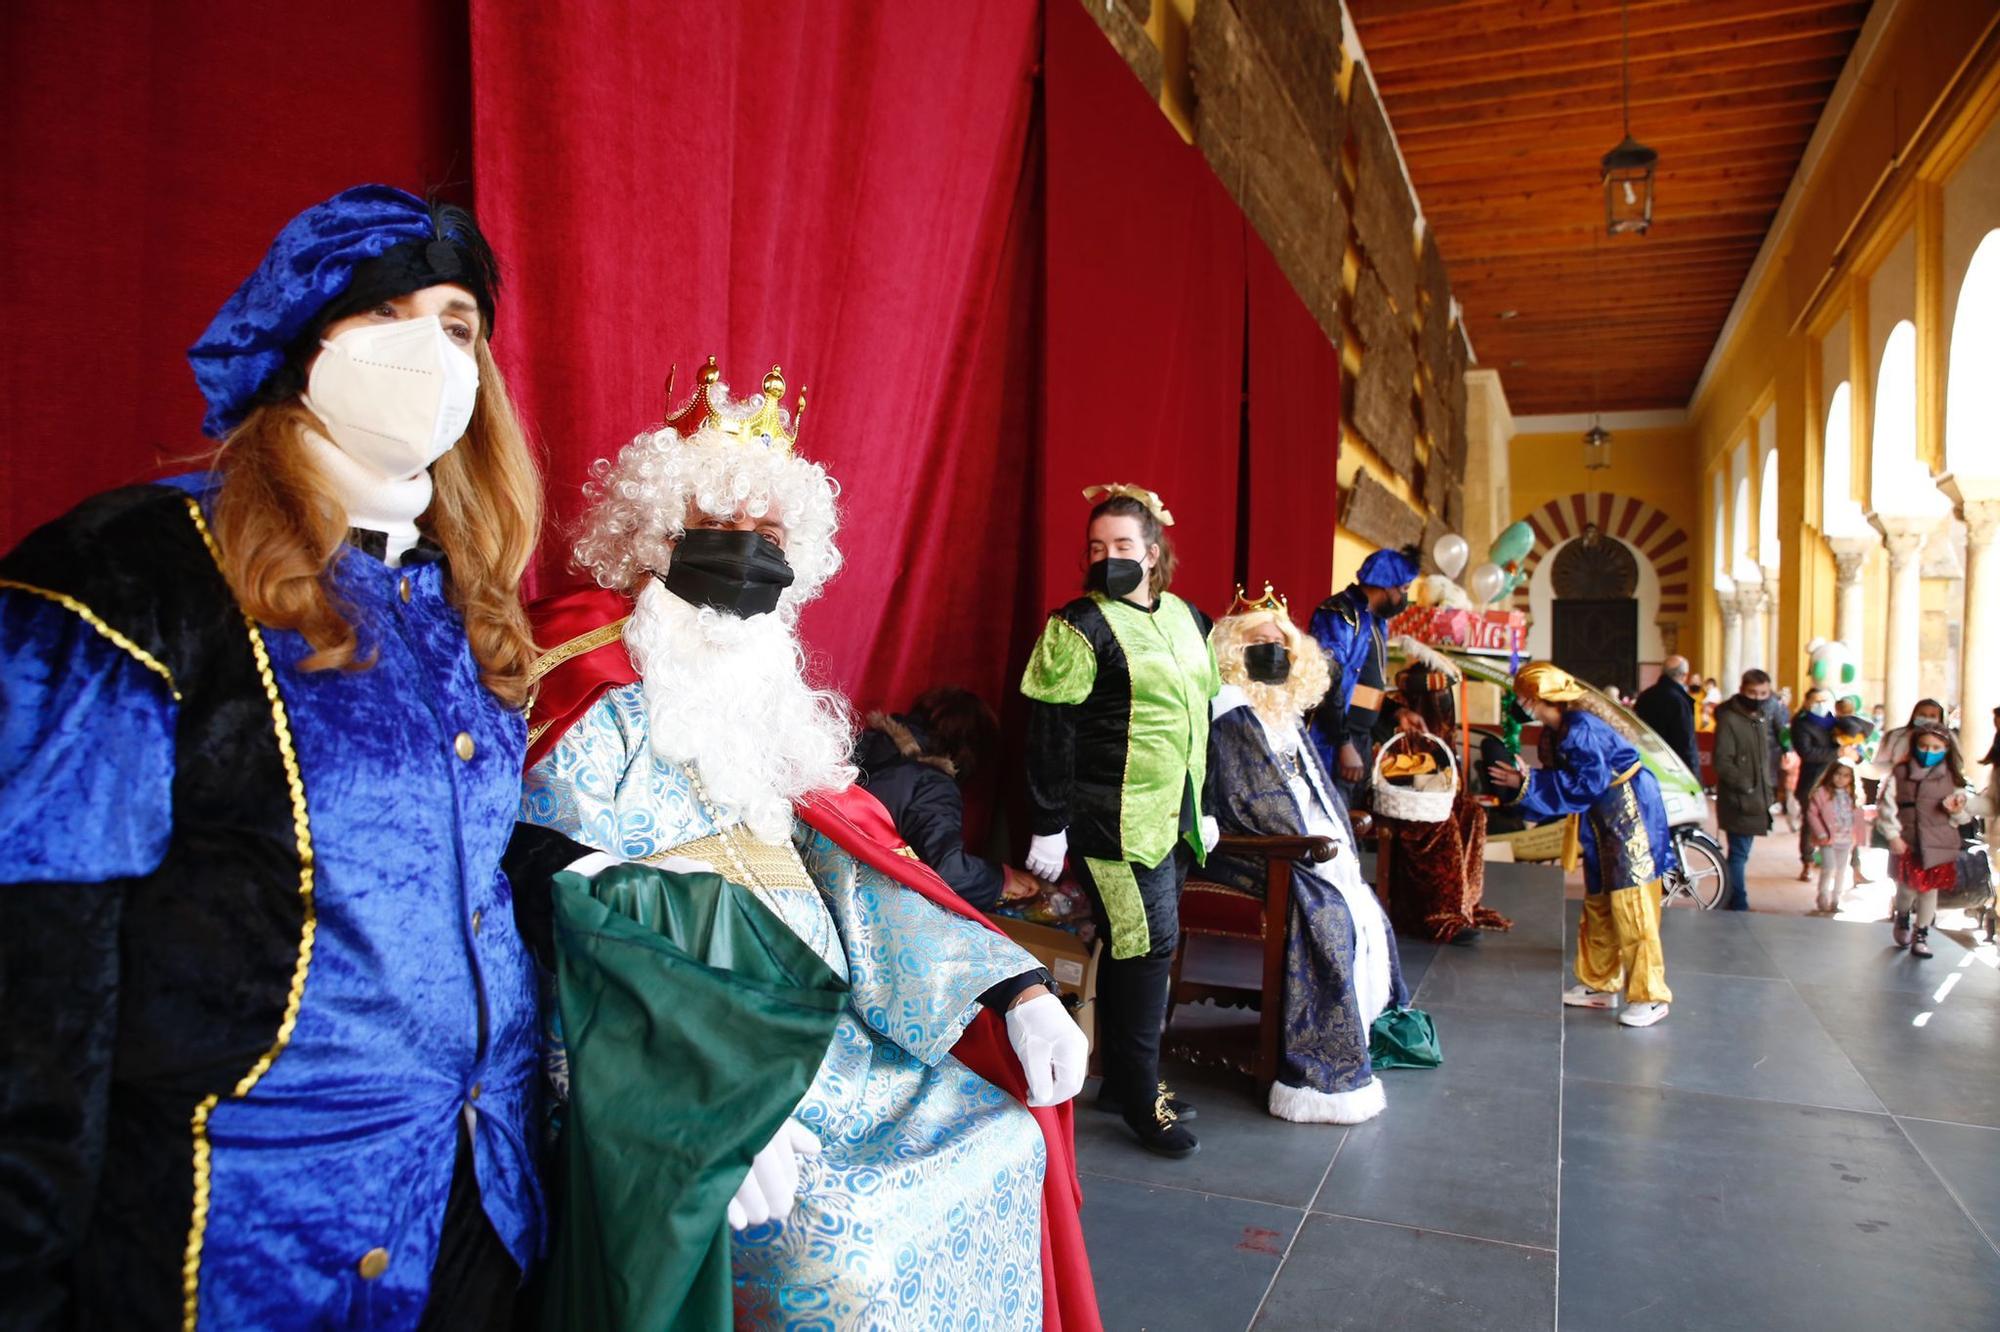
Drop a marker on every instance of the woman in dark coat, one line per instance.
(913, 763)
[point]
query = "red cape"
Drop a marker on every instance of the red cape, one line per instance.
(583, 657)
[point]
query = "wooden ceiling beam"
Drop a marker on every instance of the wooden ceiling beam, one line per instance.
(1472, 82)
(1523, 142)
(1777, 155)
(1532, 26)
(1807, 87)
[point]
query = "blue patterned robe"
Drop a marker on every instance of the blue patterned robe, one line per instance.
(1250, 794)
(924, 1206)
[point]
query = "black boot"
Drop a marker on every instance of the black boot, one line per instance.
(1132, 1008)
(1110, 1104)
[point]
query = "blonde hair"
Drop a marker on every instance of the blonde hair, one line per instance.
(279, 529)
(1310, 678)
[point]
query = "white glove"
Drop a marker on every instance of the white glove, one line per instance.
(1053, 1052)
(1046, 855)
(772, 1186)
(1211, 833)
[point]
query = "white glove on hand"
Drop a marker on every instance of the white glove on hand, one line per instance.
(772, 1186)
(1046, 855)
(1211, 833)
(1053, 1052)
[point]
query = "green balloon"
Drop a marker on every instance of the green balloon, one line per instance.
(1512, 544)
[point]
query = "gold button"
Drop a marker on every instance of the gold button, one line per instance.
(403, 589)
(373, 1264)
(475, 922)
(464, 746)
(474, 1093)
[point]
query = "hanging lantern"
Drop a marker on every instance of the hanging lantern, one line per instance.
(1628, 168)
(1596, 448)
(1628, 188)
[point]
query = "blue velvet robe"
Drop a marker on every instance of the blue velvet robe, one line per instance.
(257, 953)
(1326, 1038)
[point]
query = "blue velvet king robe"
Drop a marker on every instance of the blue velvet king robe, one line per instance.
(258, 958)
(1325, 1039)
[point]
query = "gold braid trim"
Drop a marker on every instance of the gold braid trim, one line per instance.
(302, 835)
(95, 621)
(576, 647)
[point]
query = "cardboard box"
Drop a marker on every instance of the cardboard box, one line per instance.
(1073, 965)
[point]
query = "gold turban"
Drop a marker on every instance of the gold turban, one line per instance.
(1547, 682)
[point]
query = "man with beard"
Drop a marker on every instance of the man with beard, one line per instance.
(1265, 779)
(676, 724)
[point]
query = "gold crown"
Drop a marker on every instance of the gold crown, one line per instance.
(1270, 601)
(766, 425)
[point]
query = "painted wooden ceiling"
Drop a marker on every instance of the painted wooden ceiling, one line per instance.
(1503, 108)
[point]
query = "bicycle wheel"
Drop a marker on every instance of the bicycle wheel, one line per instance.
(1701, 878)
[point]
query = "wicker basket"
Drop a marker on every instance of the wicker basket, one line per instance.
(1433, 796)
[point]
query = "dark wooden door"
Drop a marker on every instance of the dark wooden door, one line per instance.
(1598, 640)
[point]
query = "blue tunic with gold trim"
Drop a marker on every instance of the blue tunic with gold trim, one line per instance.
(257, 953)
(1597, 774)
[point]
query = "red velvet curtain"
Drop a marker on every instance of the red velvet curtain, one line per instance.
(832, 188)
(1294, 442)
(151, 152)
(1143, 370)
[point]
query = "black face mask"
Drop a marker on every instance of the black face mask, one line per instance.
(1268, 663)
(739, 573)
(1395, 607)
(1114, 577)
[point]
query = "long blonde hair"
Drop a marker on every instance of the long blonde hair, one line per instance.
(279, 528)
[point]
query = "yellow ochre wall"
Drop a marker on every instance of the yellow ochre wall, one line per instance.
(1929, 89)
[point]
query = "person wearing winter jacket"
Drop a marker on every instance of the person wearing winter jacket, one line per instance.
(913, 763)
(1745, 777)
(1918, 810)
(1814, 741)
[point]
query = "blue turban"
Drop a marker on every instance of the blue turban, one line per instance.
(1389, 568)
(309, 266)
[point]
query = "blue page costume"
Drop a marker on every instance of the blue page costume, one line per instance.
(1352, 636)
(1627, 846)
(271, 1035)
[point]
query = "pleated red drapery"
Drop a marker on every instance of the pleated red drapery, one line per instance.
(826, 187)
(1143, 347)
(1293, 442)
(151, 151)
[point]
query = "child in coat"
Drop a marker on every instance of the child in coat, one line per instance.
(1921, 803)
(1830, 820)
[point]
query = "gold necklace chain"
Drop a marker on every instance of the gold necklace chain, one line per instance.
(722, 834)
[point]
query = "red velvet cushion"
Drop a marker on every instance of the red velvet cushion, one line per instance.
(1210, 908)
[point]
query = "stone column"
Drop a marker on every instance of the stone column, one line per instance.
(1901, 687)
(1750, 599)
(1850, 620)
(1732, 645)
(1979, 664)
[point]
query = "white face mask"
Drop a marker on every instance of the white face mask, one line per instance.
(397, 396)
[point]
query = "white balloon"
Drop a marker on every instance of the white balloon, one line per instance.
(1486, 582)
(1451, 553)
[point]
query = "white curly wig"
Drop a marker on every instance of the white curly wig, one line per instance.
(639, 504)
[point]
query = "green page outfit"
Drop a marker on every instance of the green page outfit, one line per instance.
(695, 1020)
(1118, 750)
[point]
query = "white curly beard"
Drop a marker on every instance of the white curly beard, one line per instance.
(729, 697)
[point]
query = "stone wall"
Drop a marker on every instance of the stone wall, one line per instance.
(1293, 128)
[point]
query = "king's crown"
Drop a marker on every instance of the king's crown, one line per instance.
(760, 420)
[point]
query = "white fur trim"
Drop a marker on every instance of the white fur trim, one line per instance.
(1227, 699)
(1303, 1105)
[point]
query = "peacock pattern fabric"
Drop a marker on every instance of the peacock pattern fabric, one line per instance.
(923, 1208)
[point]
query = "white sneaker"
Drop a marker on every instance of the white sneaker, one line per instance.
(1582, 996)
(1642, 1015)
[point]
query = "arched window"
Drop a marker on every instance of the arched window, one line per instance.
(1972, 396)
(1741, 566)
(1899, 482)
(1719, 538)
(1767, 511)
(1840, 511)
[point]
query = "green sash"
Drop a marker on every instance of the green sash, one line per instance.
(695, 1021)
